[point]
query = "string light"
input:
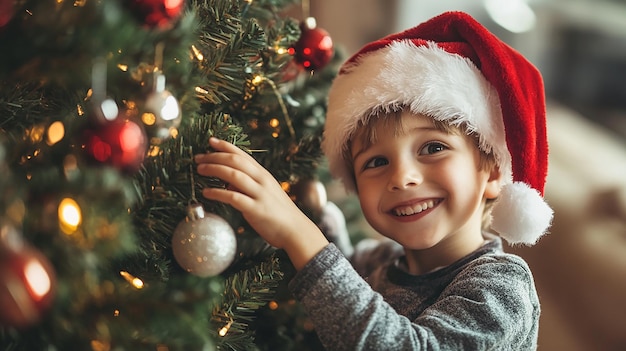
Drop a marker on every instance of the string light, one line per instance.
(134, 281)
(36, 133)
(224, 330)
(257, 80)
(281, 50)
(197, 53)
(37, 279)
(56, 132)
(154, 150)
(148, 118)
(202, 91)
(70, 216)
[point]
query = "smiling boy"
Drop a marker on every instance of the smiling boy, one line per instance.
(415, 177)
(416, 127)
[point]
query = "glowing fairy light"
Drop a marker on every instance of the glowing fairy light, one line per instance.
(36, 133)
(197, 53)
(224, 330)
(134, 281)
(56, 132)
(148, 118)
(70, 216)
(257, 80)
(38, 279)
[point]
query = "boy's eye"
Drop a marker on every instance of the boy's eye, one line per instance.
(376, 162)
(432, 148)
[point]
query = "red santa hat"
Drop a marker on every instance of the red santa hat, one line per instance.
(453, 69)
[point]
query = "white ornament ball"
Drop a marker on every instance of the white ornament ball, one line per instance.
(164, 112)
(204, 244)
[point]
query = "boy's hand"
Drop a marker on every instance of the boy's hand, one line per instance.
(264, 204)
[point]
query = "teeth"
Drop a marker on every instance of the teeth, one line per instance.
(417, 208)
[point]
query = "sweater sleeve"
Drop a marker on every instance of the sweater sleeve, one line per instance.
(349, 315)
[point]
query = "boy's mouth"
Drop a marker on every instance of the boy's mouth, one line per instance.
(415, 208)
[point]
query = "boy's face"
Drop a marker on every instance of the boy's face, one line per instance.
(422, 186)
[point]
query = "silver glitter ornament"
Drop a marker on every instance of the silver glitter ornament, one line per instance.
(204, 244)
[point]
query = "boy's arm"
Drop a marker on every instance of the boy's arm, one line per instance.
(263, 203)
(492, 307)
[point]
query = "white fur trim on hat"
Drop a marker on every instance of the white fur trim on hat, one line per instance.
(429, 81)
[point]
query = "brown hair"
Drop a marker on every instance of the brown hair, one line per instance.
(366, 133)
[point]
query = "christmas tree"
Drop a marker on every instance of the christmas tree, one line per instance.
(105, 240)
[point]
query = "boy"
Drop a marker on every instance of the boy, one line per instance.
(416, 126)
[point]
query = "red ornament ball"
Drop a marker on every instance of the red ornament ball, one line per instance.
(156, 13)
(120, 143)
(7, 9)
(27, 281)
(315, 48)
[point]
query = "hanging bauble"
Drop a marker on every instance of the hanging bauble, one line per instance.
(162, 113)
(204, 244)
(310, 196)
(7, 9)
(332, 223)
(315, 48)
(156, 13)
(120, 143)
(27, 281)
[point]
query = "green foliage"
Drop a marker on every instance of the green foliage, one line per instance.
(225, 61)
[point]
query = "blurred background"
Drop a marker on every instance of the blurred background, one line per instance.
(580, 48)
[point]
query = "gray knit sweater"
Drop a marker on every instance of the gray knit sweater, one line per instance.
(484, 301)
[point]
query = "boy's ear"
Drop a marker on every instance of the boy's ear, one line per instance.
(494, 184)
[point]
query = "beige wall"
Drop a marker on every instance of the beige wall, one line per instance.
(353, 23)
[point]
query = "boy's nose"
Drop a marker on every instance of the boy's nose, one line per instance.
(403, 177)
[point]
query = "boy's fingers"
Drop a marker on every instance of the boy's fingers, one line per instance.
(224, 163)
(235, 177)
(224, 148)
(222, 145)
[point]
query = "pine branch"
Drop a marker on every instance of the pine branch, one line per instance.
(245, 293)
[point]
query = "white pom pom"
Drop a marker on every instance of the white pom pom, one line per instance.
(520, 214)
